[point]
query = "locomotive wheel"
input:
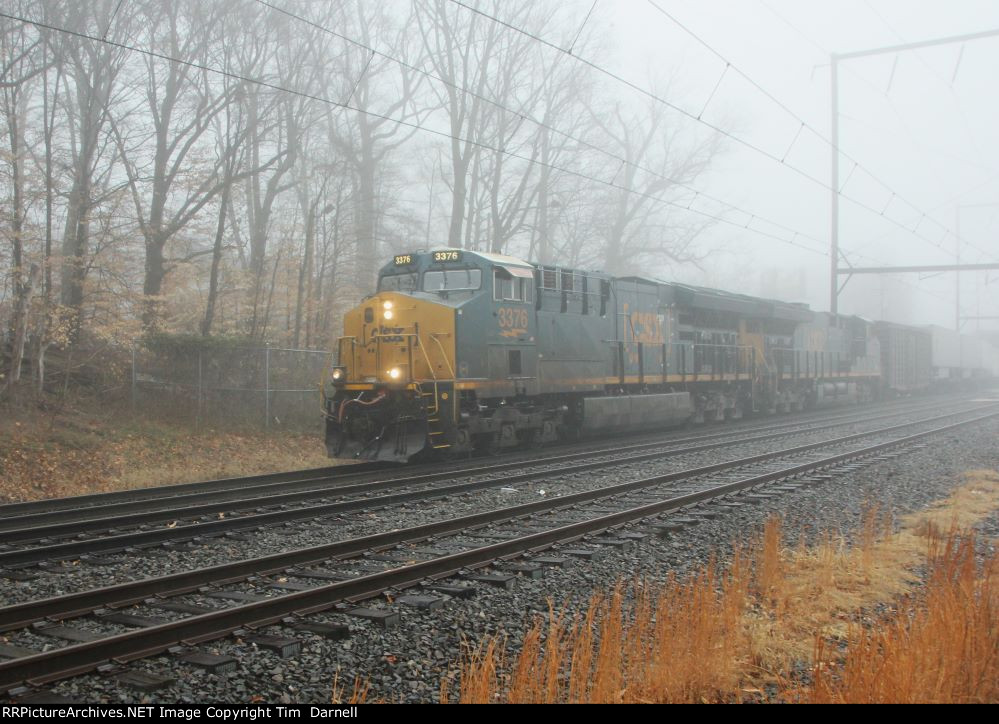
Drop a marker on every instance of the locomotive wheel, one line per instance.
(488, 444)
(569, 433)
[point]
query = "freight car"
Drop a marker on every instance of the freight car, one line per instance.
(961, 360)
(460, 351)
(906, 361)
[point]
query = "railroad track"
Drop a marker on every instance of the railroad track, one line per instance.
(83, 506)
(513, 532)
(31, 539)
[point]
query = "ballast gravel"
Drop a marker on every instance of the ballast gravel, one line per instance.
(105, 569)
(407, 662)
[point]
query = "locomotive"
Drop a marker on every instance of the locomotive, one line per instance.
(460, 351)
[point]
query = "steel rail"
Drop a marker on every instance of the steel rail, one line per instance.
(84, 504)
(121, 648)
(51, 525)
(76, 548)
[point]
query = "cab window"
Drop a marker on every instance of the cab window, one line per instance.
(507, 288)
(450, 280)
(408, 282)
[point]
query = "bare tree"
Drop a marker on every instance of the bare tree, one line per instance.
(93, 70)
(270, 156)
(503, 93)
(276, 121)
(330, 235)
(311, 191)
(384, 88)
(459, 48)
(567, 93)
(19, 64)
(51, 86)
(169, 187)
(229, 134)
(658, 162)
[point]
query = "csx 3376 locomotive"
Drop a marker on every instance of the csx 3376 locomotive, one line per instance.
(460, 351)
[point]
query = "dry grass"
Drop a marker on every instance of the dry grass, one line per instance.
(358, 694)
(671, 644)
(44, 456)
(942, 648)
(818, 590)
(750, 630)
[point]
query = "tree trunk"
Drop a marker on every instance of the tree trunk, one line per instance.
(152, 287)
(75, 243)
(213, 280)
(20, 328)
(304, 291)
(543, 228)
(49, 104)
(459, 191)
(368, 249)
(22, 286)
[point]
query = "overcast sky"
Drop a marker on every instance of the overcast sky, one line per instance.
(923, 123)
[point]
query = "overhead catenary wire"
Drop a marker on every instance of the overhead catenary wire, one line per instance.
(273, 86)
(409, 124)
(804, 124)
(825, 51)
(114, 14)
(582, 25)
(346, 106)
(688, 114)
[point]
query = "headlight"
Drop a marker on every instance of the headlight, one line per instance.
(337, 374)
(394, 373)
(387, 305)
(388, 314)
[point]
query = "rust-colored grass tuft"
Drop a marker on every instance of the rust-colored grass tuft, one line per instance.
(358, 693)
(942, 648)
(676, 643)
(848, 617)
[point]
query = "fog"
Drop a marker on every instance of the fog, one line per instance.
(922, 122)
(242, 168)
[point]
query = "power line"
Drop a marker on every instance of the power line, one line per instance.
(931, 69)
(408, 124)
(111, 19)
(713, 127)
(898, 115)
(804, 124)
(276, 87)
(541, 124)
(583, 25)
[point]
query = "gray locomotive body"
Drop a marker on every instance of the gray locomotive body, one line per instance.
(461, 350)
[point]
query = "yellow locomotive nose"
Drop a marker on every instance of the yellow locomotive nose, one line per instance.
(395, 340)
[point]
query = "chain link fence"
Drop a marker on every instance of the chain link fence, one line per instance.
(265, 388)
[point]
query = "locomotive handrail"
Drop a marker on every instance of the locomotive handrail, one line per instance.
(434, 336)
(353, 350)
(454, 397)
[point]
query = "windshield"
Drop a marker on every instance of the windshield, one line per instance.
(408, 282)
(452, 280)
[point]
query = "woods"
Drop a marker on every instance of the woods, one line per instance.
(242, 168)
